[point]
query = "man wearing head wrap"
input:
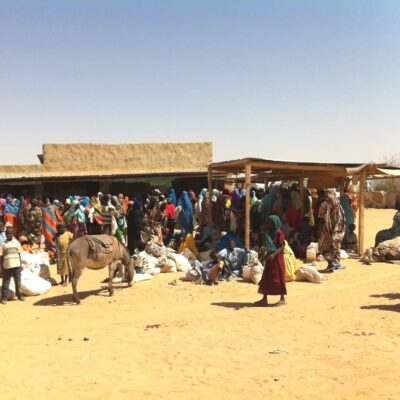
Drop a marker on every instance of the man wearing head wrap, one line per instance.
(332, 231)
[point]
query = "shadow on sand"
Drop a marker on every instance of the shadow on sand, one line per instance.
(384, 307)
(233, 304)
(390, 296)
(66, 299)
(239, 305)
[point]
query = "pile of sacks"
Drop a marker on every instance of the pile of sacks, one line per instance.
(157, 259)
(35, 275)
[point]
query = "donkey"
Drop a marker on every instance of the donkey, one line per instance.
(97, 252)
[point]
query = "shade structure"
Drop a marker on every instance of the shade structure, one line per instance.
(321, 175)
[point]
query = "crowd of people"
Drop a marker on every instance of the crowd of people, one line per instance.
(276, 213)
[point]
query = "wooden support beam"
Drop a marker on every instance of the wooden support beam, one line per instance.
(210, 188)
(361, 202)
(247, 210)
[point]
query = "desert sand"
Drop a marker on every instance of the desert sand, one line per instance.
(167, 339)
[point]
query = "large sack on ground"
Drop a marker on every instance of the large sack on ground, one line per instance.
(310, 274)
(166, 264)
(143, 277)
(37, 263)
(290, 263)
(189, 255)
(390, 243)
(182, 263)
(313, 245)
(155, 249)
(254, 270)
(33, 285)
(191, 276)
(147, 263)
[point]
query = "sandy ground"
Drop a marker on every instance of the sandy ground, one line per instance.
(338, 340)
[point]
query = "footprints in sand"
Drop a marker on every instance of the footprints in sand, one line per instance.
(362, 333)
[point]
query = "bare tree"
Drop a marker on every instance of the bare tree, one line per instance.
(388, 185)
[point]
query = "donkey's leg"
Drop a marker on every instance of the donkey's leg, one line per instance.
(75, 277)
(111, 271)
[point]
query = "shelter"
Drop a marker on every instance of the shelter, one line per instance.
(321, 175)
(89, 168)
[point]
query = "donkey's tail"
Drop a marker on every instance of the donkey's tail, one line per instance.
(70, 272)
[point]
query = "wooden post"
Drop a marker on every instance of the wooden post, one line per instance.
(361, 201)
(210, 188)
(247, 210)
(301, 190)
(341, 187)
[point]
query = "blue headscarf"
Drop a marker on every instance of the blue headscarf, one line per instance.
(185, 218)
(85, 201)
(11, 207)
(236, 198)
(172, 196)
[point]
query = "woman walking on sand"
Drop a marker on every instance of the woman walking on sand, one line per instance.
(273, 278)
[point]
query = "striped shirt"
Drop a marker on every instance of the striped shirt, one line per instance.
(10, 250)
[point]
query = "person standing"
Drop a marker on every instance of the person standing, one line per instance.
(333, 229)
(2, 233)
(273, 278)
(64, 238)
(10, 263)
(135, 218)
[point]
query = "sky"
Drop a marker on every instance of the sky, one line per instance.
(285, 80)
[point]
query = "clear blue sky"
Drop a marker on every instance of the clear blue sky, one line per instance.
(289, 80)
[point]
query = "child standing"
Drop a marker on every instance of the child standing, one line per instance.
(63, 239)
(10, 263)
(350, 241)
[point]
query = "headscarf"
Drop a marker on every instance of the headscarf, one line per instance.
(192, 196)
(85, 201)
(270, 236)
(215, 194)
(236, 198)
(200, 199)
(172, 196)
(186, 216)
(268, 200)
(10, 207)
(253, 198)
